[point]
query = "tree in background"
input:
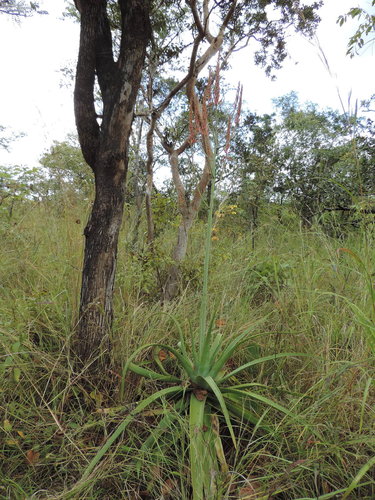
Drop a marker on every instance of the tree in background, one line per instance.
(18, 185)
(67, 171)
(253, 165)
(315, 159)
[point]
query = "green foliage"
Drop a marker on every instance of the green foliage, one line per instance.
(314, 160)
(17, 185)
(365, 29)
(165, 212)
(67, 170)
(263, 281)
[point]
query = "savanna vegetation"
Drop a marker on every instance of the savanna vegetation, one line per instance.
(231, 331)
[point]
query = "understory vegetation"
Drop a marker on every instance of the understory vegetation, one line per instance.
(284, 287)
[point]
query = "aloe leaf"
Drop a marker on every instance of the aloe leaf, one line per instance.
(259, 397)
(238, 409)
(215, 389)
(180, 333)
(112, 438)
(185, 362)
(151, 374)
(232, 346)
(261, 360)
(216, 346)
(218, 445)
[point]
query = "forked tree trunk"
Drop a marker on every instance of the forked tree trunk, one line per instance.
(105, 146)
(188, 209)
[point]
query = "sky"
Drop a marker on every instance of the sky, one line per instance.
(34, 102)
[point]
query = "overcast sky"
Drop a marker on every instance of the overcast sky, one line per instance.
(33, 51)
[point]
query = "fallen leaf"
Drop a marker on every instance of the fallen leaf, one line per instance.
(32, 457)
(21, 434)
(167, 487)
(220, 322)
(162, 355)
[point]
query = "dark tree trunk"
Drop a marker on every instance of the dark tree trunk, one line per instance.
(99, 267)
(105, 148)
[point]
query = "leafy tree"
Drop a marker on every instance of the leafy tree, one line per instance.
(17, 185)
(322, 157)
(67, 170)
(252, 164)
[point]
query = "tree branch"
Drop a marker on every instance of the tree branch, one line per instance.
(84, 108)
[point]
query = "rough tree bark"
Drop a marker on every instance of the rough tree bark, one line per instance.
(105, 148)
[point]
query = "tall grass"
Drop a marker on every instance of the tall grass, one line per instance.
(53, 423)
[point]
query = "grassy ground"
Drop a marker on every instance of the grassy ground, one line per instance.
(295, 291)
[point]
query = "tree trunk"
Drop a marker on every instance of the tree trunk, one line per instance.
(172, 284)
(104, 145)
(138, 196)
(99, 267)
(187, 208)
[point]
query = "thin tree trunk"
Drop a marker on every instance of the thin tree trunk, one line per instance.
(173, 281)
(138, 197)
(150, 181)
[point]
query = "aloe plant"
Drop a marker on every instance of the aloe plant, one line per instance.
(204, 387)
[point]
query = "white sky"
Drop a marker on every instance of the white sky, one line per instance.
(33, 51)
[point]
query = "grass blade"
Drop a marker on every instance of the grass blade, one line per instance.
(354, 484)
(112, 438)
